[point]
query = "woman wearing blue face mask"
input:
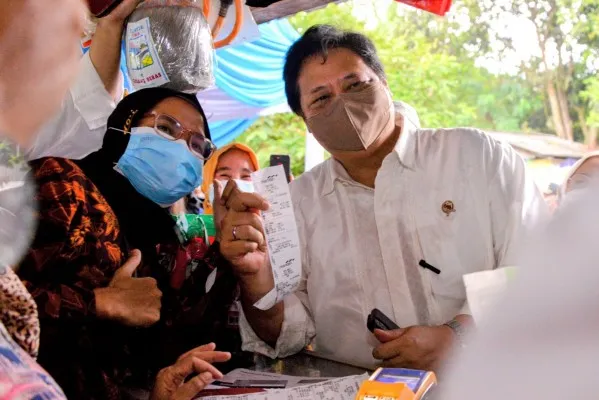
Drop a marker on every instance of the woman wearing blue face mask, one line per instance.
(105, 327)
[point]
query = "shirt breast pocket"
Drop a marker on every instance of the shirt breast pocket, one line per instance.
(450, 236)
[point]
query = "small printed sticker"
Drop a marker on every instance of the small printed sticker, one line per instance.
(145, 67)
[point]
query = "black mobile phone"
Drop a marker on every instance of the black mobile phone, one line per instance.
(285, 161)
(378, 320)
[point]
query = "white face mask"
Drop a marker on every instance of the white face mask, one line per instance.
(244, 186)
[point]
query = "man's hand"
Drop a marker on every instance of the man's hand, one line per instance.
(39, 56)
(418, 347)
(105, 52)
(128, 300)
(241, 235)
(170, 381)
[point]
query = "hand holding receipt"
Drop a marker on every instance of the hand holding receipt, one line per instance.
(259, 229)
(281, 234)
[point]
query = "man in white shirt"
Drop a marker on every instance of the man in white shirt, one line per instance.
(78, 128)
(392, 221)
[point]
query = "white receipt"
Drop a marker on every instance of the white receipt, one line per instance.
(281, 234)
(334, 389)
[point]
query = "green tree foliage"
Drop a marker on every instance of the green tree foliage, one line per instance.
(563, 57)
(432, 64)
(278, 134)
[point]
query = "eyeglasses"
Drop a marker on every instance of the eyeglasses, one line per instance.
(169, 128)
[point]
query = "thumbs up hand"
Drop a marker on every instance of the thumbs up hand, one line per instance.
(128, 300)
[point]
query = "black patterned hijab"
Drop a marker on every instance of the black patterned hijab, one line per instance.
(143, 222)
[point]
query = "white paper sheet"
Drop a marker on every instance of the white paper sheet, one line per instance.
(281, 234)
(334, 389)
(484, 289)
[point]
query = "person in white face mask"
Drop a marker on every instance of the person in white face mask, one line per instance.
(234, 161)
(392, 221)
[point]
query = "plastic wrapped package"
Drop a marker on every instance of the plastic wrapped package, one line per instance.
(169, 44)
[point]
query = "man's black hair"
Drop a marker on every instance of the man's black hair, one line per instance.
(317, 41)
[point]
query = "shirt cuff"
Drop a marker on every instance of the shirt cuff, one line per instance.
(294, 332)
(90, 97)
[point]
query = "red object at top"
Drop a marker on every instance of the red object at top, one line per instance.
(439, 7)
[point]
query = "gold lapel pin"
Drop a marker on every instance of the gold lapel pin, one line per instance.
(448, 207)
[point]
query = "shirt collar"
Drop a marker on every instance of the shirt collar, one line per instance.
(406, 145)
(405, 150)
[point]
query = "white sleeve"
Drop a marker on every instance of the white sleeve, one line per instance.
(298, 328)
(296, 333)
(516, 203)
(78, 128)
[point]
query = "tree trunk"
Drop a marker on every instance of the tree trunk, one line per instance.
(556, 113)
(582, 121)
(589, 132)
(565, 110)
